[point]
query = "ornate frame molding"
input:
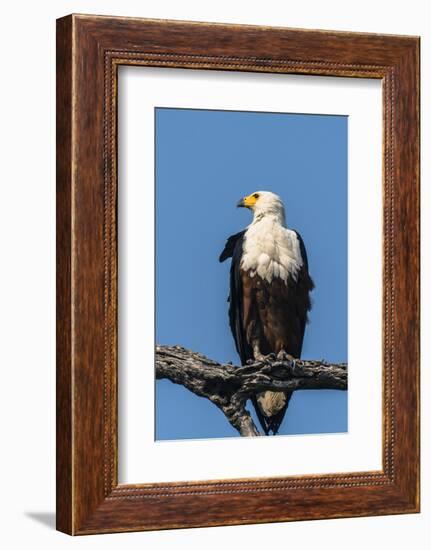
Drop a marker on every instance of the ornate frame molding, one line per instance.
(90, 49)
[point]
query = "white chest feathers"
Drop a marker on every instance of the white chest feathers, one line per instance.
(271, 250)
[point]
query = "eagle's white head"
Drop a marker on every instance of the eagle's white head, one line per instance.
(264, 204)
(270, 250)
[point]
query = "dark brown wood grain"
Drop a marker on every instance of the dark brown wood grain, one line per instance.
(89, 50)
(64, 288)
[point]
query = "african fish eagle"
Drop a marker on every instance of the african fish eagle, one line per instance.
(269, 294)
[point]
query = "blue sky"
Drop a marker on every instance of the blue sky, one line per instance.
(206, 161)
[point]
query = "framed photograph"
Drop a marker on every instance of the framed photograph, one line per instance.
(237, 274)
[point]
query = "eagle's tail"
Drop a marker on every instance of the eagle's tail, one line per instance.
(270, 409)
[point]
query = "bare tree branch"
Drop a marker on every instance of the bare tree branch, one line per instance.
(229, 387)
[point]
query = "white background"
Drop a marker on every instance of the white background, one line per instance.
(141, 458)
(27, 123)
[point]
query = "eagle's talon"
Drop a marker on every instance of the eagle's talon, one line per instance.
(284, 356)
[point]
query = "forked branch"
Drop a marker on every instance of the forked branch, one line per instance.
(229, 387)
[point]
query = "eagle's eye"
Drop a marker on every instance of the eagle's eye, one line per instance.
(256, 195)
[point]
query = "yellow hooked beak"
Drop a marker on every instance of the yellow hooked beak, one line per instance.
(248, 202)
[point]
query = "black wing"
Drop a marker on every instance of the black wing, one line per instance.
(233, 249)
(302, 250)
(229, 247)
(305, 285)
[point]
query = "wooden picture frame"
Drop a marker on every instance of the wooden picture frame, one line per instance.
(89, 51)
